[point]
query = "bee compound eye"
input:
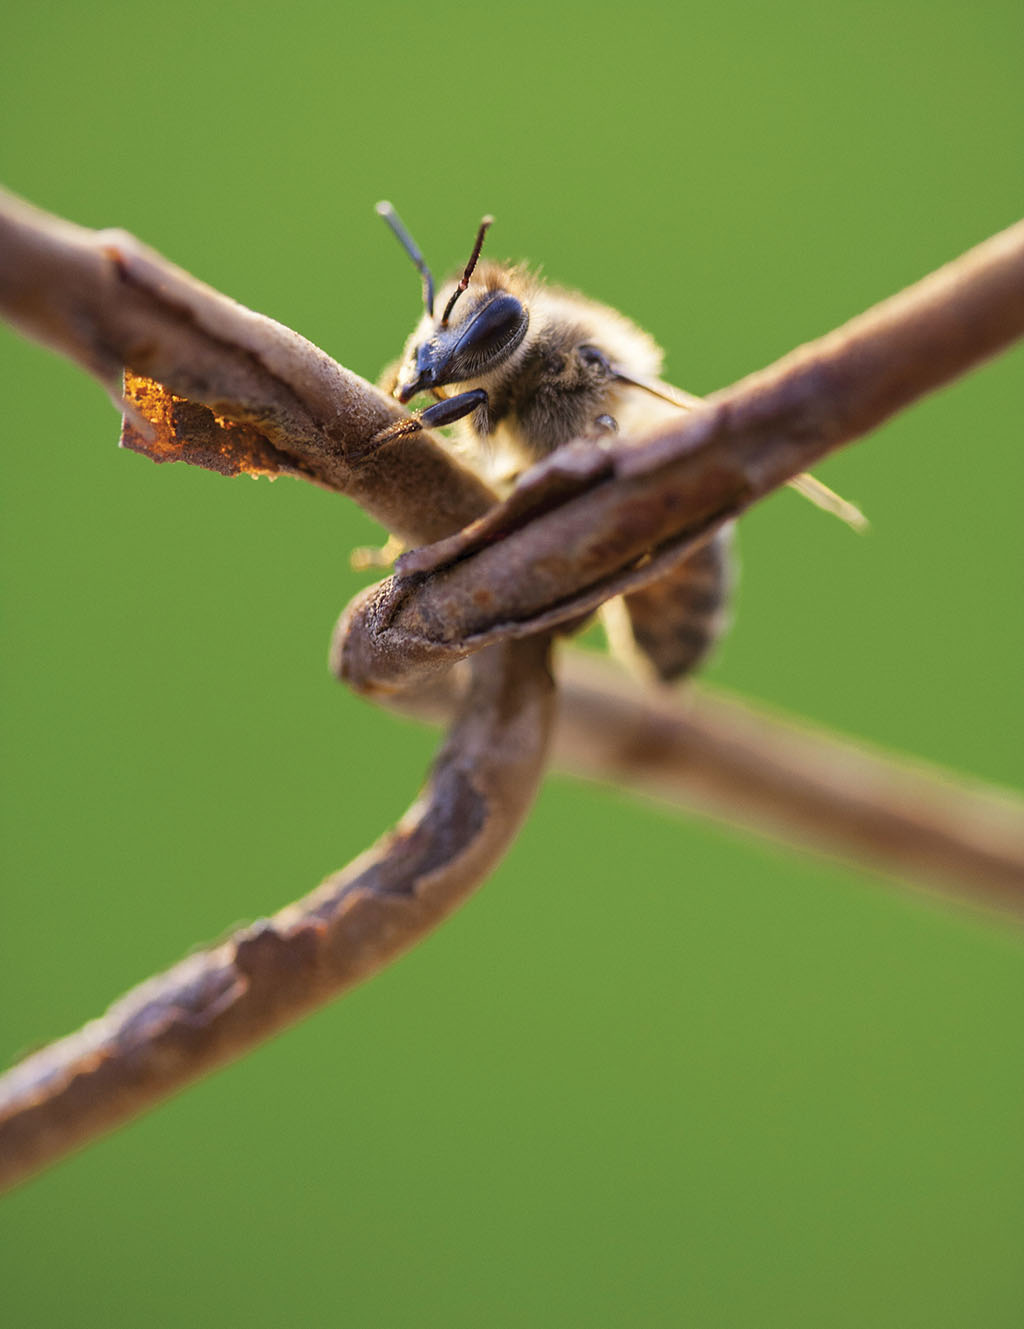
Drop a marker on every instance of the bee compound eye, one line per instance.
(492, 333)
(497, 322)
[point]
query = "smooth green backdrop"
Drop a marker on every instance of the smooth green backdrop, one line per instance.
(653, 1074)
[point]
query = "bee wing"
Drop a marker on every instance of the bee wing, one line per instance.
(686, 401)
(829, 501)
(805, 484)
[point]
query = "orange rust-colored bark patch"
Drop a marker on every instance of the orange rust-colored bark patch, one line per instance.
(184, 430)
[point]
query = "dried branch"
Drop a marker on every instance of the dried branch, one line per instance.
(218, 1003)
(219, 386)
(254, 396)
(783, 778)
(590, 523)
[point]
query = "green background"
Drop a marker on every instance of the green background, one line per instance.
(653, 1074)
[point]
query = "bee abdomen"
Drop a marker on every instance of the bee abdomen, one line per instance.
(677, 620)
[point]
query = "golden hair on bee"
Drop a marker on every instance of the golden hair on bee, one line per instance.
(521, 367)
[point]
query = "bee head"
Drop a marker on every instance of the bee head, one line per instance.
(478, 330)
(490, 328)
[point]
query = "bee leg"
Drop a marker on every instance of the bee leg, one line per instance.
(444, 412)
(450, 409)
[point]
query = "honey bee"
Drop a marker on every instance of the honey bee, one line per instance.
(534, 367)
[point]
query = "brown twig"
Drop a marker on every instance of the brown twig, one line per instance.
(255, 396)
(217, 385)
(218, 1003)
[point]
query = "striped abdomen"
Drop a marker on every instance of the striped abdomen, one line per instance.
(677, 620)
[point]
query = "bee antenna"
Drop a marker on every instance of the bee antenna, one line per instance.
(385, 210)
(487, 222)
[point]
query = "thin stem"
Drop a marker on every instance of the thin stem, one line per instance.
(218, 1003)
